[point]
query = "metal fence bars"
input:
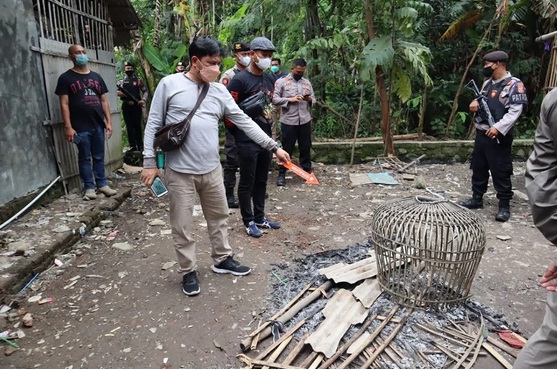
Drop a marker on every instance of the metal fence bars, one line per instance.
(427, 250)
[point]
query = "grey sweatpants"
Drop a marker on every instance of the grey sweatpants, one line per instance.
(540, 350)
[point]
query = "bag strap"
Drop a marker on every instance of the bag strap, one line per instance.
(202, 95)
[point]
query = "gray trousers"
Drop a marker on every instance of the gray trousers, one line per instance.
(540, 350)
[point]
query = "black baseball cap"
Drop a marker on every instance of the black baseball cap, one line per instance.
(496, 56)
(241, 46)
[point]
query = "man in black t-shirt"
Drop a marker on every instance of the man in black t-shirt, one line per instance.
(133, 93)
(86, 114)
(253, 160)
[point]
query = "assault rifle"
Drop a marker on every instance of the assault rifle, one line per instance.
(483, 114)
(127, 93)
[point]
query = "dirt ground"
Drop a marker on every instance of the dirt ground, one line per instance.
(115, 308)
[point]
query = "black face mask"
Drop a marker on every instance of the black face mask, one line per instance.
(487, 71)
(129, 73)
(297, 76)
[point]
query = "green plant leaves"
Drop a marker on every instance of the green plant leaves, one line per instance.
(378, 52)
(154, 58)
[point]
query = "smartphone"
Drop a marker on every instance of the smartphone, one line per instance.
(158, 188)
(77, 139)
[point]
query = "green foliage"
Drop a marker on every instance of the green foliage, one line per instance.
(333, 38)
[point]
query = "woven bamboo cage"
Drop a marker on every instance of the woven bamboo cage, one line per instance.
(427, 250)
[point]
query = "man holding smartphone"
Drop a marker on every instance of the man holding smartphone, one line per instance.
(294, 95)
(194, 170)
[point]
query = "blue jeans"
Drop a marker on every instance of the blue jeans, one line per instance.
(91, 144)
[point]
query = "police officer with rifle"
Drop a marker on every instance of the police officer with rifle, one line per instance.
(497, 107)
(133, 93)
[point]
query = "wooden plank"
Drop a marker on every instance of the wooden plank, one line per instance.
(340, 312)
(497, 356)
(316, 362)
(509, 350)
(367, 292)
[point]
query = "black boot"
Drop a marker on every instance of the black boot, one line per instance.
(281, 181)
(233, 203)
(473, 203)
(503, 211)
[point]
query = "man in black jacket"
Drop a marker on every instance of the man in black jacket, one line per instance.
(254, 161)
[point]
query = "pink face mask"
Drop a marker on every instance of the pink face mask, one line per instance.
(209, 73)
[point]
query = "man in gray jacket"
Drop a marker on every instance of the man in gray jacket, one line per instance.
(195, 168)
(540, 181)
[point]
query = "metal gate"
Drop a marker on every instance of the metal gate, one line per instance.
(85, 22)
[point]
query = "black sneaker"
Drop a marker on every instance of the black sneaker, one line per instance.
(281, 181)
(191, 284)
(231, 266)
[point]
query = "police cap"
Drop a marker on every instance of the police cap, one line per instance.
(241, 46)
(128, 64)
(495, 56)
(262, 43)
(180, 64)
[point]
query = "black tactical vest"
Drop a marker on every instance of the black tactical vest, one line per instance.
(492, 92)
(132, 87)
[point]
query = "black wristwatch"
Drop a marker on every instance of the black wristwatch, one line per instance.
(275, 148)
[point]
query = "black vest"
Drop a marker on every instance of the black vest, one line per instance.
(492, 92)
(131, 85)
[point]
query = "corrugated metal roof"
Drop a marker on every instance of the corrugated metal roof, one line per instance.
(352, 273)
(124, 19)
(341, 311)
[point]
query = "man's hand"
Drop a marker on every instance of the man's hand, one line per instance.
(282, 156)
(108, 127)
(548, 281)
(492, 133)
(148, 175)
(120, 94)
(141, 103)
(70, 133)
(474, 106)
(296, 98)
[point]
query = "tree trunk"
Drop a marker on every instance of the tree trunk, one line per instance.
(389, 150)
(455, 100)
(157, 24)
(149, 76)
(422, 112)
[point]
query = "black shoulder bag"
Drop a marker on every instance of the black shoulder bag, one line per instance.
(171, 137)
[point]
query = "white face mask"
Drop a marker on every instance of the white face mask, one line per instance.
(244, 61)
(264, 63)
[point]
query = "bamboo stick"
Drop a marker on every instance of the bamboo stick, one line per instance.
(245, 344)
(371, 338)
(509, 350)
(317, 361)
(389, 338)
(347, 344)
(281, 311)
(478, 342)
(250, 362)
(278, 351)
(280, 340)
(497, 356)
(309, 360)
(296, 350)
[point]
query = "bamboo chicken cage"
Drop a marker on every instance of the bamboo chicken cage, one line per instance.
(427, 250)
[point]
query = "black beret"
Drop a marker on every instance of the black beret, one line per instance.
(128, 64)
(495, 56)
(240, 46)
(180, 64)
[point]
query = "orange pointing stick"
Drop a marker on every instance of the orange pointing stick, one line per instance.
(309, 177)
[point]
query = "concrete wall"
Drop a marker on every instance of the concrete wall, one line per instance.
(435, 151)
(26, 147)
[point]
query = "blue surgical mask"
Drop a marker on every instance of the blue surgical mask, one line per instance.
(82, 59)
(275, 69)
